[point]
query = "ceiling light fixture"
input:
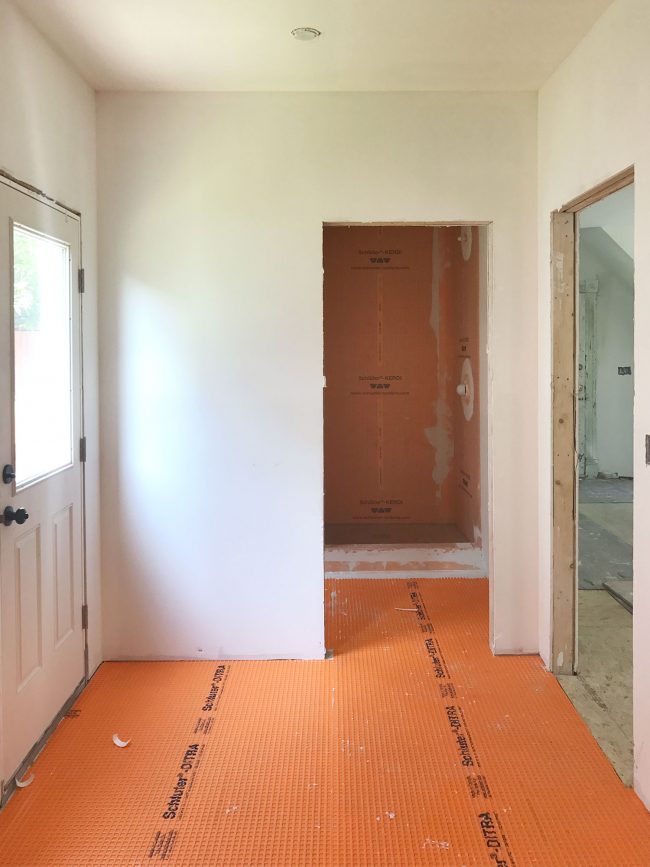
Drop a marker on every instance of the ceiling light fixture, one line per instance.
(305, 34)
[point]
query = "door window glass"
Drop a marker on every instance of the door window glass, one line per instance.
(42, 355)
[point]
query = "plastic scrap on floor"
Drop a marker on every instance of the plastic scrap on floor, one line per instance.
(22, 784)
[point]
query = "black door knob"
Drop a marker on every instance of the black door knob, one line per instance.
(9, 516)
(8, 474)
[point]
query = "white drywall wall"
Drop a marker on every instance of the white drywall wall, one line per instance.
(211, 346)
(47, 138)
(593, 122)
(613, 347)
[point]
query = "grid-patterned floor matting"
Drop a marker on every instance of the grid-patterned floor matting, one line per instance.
(414, 745)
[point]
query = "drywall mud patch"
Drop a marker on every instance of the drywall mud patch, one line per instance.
(466, 235)
(441, 439)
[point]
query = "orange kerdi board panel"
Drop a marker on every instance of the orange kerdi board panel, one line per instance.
(381, 372)
(401, 331)
(413, 746)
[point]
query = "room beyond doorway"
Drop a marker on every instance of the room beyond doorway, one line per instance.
(404, 400)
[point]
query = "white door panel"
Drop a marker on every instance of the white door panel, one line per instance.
(41, 566)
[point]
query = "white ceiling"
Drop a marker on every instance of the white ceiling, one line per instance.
(185, 45)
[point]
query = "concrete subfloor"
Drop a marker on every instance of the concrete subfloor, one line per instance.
(601, 692)
(616, 518)
(605, 536)
(618, 490)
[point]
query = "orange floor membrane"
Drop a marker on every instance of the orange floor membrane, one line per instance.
(414, 745)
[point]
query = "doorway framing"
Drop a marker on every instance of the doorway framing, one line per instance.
(486, 340)
(564, 385)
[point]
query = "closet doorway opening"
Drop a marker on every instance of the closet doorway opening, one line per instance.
(405, 398)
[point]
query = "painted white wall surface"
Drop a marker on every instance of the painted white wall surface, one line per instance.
(594, 122)
(47, 138)
(602, 260)
(211, 346)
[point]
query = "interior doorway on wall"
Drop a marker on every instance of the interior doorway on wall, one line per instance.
(603, 289)
(405, 450)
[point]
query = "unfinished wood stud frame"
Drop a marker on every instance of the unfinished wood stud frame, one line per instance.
(563, 271)
(564, 275)
(596, 194)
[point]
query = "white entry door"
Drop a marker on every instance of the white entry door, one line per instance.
(41, 562)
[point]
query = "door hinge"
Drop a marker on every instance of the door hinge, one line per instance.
(82, 280)
(84, 616)
(82, 450)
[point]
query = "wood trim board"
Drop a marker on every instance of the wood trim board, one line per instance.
(563, 275)
(595, 194)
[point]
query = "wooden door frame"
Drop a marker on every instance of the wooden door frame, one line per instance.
(564, 293)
